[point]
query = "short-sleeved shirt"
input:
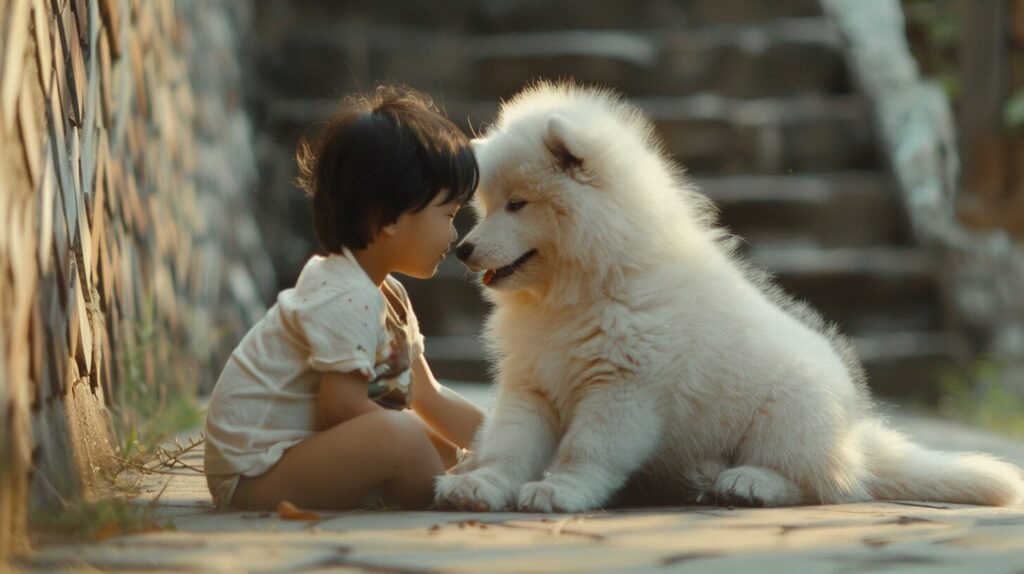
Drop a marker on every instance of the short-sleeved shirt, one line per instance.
(335, 319)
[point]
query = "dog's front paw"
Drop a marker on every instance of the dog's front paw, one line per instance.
(750, 485)
(553, 496)
(481, 490)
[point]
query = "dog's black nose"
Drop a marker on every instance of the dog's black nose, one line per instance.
(464, 250)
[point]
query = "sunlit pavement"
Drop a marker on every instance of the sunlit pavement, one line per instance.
(873, 537)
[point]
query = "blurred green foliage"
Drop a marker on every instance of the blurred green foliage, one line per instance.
(934, 30)
(1013, 111)
(983, 395)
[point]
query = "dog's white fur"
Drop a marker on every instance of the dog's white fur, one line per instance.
(636, 355)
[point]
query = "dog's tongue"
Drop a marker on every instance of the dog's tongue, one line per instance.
(488, 275)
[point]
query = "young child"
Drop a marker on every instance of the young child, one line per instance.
(312, 405)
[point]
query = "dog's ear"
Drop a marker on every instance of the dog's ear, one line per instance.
(563, 143)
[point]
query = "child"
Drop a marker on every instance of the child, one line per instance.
(311, 406)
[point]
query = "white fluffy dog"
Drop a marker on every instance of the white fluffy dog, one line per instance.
(637, 356)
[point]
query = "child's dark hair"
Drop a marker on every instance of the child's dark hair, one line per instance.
(382, 155)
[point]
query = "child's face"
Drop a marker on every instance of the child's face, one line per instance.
(421, 240)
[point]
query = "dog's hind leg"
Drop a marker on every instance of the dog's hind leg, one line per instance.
(700, 479)
(803, 434)
(756, 486)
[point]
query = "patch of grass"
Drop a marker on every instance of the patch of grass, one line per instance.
(1013, 111)
(982, 396)
(156, 394)
(113, 513)
(94, 520)
(933, 29)
(154, 398)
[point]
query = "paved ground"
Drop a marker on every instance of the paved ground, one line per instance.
(876, 537)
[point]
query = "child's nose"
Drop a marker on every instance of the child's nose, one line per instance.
(464, 251)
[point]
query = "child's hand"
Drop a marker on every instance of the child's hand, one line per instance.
(466, 463)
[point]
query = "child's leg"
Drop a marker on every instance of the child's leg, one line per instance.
(445, 448)
(337, 468)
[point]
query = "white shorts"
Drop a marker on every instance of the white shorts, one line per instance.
(222, 488)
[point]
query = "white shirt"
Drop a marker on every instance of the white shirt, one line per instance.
(334, 319)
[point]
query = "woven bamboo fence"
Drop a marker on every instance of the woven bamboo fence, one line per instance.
(124, 177)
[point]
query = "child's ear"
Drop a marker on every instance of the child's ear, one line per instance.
(389, 230)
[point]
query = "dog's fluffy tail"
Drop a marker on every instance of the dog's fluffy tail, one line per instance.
(902, 470)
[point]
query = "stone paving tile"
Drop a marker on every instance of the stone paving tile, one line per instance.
(594, 558)
(408, 519)
(187, 491)
(243, 522)
(175, 513)
(127, 555)
(843, 538)
(333, 569)
(893, 559)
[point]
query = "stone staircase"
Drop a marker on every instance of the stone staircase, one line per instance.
(752, 97)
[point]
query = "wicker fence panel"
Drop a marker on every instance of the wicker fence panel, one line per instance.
(125, 170)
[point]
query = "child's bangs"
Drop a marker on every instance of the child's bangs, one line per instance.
(462, 177)
(452, 171)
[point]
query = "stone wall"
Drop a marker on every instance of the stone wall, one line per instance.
(125, 170)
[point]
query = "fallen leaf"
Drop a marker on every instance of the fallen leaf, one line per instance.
(108, 531)
(288, 511)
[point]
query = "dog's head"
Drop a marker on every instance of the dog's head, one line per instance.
(570, 181)
(523, 201)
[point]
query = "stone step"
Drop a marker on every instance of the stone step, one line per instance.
(864, 290)
(706, 133)
(524, 15)
(271, 17)
(843, 209)
(712, 134)
(754, 60)
(899, 364)
(780, 57)
(907, 364)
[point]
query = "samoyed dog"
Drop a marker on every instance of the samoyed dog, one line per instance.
(638, 358)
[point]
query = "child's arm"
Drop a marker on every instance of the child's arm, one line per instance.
(447, 412)
(342, 396)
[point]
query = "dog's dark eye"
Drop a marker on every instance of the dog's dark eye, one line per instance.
(515, 205)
